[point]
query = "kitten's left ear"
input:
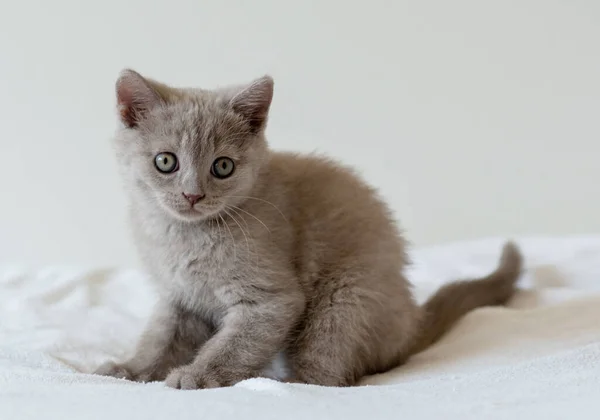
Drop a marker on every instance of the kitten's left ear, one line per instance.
(253, 102)
(135, 97)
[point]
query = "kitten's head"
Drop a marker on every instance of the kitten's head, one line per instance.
(192, 152)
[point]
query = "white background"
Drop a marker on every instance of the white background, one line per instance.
(474, 118)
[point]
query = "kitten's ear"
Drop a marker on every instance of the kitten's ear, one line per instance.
(135, 97)
(253, 102)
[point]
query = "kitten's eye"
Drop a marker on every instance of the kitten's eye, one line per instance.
(222, 167)
(166, 162)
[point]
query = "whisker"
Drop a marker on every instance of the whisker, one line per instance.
(264, 201)
(251, 215)
(241, 216)
(220, 234)
(240, 226)
(232, 238)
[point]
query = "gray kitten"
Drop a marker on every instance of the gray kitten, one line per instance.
(258, 253)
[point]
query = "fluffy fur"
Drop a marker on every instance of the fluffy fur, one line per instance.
(290, 255)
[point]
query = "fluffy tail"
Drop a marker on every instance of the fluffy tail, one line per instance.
(454, 300)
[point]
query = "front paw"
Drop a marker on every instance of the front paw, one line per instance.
(114, 370)
(193, 377)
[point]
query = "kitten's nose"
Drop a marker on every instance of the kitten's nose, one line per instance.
(193, 198)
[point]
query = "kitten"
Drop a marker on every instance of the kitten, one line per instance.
(258, 253)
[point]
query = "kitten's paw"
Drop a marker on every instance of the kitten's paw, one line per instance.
(114, 370)
(186, 377)
(190, 377)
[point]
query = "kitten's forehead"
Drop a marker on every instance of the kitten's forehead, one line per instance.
(200, 120)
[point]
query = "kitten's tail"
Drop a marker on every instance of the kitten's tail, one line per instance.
(456, 299)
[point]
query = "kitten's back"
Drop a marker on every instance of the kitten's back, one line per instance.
(338, 219)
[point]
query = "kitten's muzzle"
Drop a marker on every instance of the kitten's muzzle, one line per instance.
(193, 198)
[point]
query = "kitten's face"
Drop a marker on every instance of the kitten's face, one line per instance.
(196, 153)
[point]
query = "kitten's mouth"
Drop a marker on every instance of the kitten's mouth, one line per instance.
(184, 211)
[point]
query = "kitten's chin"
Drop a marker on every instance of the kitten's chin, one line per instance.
(191, 215)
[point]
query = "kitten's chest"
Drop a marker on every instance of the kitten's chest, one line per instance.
(193, 264)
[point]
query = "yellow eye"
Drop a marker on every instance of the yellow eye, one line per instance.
(166, 162)
(222, 167)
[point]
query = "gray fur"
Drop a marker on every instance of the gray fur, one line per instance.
(291, 255)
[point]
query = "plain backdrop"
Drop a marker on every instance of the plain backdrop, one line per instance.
(474, 118)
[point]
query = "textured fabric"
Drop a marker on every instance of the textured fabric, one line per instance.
(538, 358)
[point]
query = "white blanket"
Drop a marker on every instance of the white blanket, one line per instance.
(538, 358)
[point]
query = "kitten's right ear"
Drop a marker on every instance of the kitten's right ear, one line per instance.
(135, 97)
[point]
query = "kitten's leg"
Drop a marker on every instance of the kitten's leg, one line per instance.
(325, 352)
(171, 339)
(251, 335)
(344, 337)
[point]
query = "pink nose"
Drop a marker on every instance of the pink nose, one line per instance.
(193, 198)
